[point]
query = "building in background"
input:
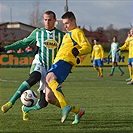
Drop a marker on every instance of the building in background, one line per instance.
(11, 32)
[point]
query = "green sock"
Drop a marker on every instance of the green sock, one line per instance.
(24, 86)
(120, 69)
(112, 70)
(35, 107)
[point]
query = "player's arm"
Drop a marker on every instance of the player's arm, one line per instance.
(31, 39)
(92, 55)
(110, 52)
(119, 50)
(85, 46)
(102, 52)
(125, 46)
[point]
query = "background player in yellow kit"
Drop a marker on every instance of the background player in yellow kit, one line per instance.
(129, 45)
(74, 44)
(97, 57)
(129, 65)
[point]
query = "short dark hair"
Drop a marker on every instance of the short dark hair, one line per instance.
(69, 15)
(50, 12)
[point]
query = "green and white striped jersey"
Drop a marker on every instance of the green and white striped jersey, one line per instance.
(47, 41)
(113, 51)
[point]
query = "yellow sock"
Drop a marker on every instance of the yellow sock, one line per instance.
(130, 69)
(96, 69)
(57, 104)
(74, 109)
(54, 86)
(101, 70)
(132, 73)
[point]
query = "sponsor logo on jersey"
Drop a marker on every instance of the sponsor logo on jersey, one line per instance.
(51, 44)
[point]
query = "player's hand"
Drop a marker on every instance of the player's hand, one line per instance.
(117, 50)
(2, 49)
(92, 59)
(78, 60)
(75, 51)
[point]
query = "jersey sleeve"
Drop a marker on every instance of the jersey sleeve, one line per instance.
(102, 51)
(31, 39)
(125, 46)
(119, 52)
(93, 53)
(85, 46)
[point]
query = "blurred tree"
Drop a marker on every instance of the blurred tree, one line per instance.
(110, 32)
(36, 18)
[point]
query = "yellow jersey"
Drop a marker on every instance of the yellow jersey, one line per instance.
(128, 45)
(74, 38)
(98, 52)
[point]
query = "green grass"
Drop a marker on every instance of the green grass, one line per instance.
(108, 103)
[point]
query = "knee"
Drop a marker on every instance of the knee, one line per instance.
(49, 77)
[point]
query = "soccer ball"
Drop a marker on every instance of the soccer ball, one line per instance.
(29, 98)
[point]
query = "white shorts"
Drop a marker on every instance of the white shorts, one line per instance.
(116, 59)
(42, 70)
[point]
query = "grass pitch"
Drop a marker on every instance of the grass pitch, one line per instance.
(108, 103)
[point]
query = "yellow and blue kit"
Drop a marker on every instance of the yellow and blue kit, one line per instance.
(65, 60)
(98, 55)
(128, 46)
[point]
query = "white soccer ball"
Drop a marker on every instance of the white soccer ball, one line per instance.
(29, 98)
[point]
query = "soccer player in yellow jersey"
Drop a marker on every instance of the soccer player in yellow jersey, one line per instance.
(74, 44)
(129, 45)
(97, 57)
(129, 66)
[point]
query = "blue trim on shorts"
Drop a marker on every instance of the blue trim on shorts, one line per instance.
(61, 69)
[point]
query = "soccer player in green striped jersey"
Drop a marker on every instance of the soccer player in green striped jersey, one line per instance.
(48, 40)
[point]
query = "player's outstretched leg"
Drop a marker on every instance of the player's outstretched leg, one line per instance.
(78, 116)
(24, 86)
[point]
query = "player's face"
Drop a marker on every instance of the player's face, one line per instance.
(68, 24)
(131, 32)
(49, 21)
(95, 42)
(114, 39)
